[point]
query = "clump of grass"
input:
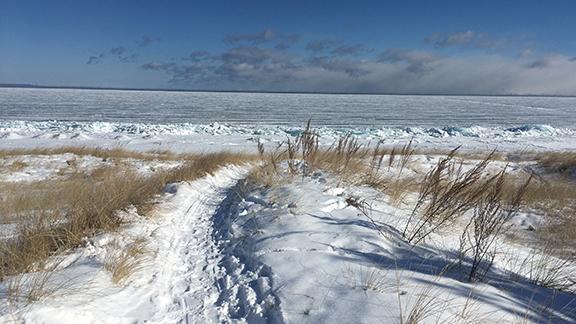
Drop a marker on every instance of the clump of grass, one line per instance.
(302, 152)
(406, 153)
(541, 267)
(554, 199)
(17, 166)
(302, 156)
(560, 162)
(491, 215)
(424, 307)
(368, 279)
(30, 287)
(558, 233)
(445, 193)
(398, 188)
(124, 261)
(346, 158)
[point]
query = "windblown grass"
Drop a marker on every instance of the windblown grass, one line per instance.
(347, 159)
(445, 194)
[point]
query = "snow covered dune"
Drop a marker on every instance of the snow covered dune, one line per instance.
(303, 234)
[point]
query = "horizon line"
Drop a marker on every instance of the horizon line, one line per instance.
(39, 86)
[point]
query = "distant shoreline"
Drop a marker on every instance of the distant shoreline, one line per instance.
(33, 86)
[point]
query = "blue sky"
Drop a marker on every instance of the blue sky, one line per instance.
(492, 47)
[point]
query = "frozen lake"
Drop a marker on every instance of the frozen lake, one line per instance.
(162, 107)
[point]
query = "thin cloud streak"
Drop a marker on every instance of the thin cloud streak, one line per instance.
(121, 53)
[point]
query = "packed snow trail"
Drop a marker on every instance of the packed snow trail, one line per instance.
(187, 255)
(192, 275)
(201, 279)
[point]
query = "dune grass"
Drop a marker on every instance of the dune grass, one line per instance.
(479, 185)
(562, 162)
(123, 261)
(96, 152)
(53, 216)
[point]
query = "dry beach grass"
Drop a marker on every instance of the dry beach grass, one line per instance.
(93, 151)
(460, 183)
(53, 216)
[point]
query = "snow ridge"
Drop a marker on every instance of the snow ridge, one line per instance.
(14, 129)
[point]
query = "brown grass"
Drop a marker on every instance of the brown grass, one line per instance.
(56, 215)
(94, 151)
(559, 232)
(561, 162)
(543, 268)
(346, 158)
(555, 200)
(445, 194)
(397, 189)
(17, 166)
(368, 279)
(124, 261)
(491, 216)
(30, 287)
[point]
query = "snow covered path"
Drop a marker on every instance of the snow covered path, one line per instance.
(225, 250)
(202, 277)
(187, 256)
(188, 278)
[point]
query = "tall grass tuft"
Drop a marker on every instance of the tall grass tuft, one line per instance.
(446, 192)
(491, 215)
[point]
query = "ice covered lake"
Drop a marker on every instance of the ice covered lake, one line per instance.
(162, 119)
(283, 109)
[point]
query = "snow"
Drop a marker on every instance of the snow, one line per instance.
(221, 250)
(43, 167)
(176, 285)
(331, 264)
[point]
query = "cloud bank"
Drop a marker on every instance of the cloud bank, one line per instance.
(272, 61)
